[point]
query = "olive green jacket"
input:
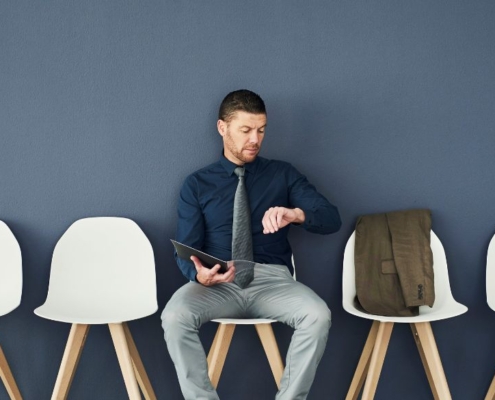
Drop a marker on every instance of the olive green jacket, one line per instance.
(394, 262)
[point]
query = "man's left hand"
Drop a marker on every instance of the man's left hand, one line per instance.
(276, 218)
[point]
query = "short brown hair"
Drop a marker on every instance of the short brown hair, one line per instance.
(241, 100)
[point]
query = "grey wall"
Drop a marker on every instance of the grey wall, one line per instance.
(106, 106)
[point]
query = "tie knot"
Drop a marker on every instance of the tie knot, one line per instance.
(239, 171)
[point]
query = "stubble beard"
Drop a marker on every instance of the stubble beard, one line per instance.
(231, 147)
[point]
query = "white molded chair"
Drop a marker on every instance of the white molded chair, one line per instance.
(103, 272)
(373, 355)
(10, 295)
(490, 297)
(223, 337)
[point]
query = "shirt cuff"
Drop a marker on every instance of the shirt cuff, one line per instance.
(309, 220)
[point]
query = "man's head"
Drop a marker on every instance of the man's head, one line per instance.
(241, 123)
(241, 100)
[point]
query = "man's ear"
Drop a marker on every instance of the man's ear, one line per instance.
(222, 127)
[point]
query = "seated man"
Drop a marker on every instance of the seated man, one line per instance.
(277, 196)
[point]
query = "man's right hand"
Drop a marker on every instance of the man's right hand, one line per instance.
(211, 276)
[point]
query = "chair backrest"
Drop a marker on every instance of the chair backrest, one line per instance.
(443, 293)
(490, 274)
(10, 270)
(104, 266)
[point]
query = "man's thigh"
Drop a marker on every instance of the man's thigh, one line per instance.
(203, 304)
(275, 294)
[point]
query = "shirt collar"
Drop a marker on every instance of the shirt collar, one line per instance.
(230, 166)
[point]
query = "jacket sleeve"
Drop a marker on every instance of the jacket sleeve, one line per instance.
(190, 225)
(320, 215)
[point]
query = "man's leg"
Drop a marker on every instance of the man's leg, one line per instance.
(274, 294)
(190, 307)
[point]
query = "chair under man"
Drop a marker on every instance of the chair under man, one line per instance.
(373, 355)
(223, 337)
(10, 295)
(102, 272)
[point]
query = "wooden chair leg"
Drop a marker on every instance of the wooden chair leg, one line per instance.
(72, 353)
(140, 371)
(125, 361)
(377, 359)
(490, 395)
(265, 332)
(218, 352)
(432, 363)
(363, 364)
(8, 378)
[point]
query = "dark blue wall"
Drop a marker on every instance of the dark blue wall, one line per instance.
(106, 106)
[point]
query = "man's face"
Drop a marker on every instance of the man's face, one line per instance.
(242, 136)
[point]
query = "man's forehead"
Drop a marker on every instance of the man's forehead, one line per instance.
(246, 118)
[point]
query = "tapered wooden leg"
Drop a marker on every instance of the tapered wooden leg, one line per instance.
(8, 378)
(490, 395)
(125, 361)
(432, 363)
(265, 332)
(141, 375)
(218, 352)
(72, 353)
(423, 360)
(363, 364)
(377, 358)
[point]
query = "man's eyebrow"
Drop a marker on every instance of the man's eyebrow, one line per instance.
(250, 127)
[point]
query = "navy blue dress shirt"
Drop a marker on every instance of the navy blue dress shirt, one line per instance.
(206, 204)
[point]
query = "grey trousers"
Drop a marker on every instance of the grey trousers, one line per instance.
(273, 294)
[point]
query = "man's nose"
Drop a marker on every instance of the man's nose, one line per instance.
(254, 137)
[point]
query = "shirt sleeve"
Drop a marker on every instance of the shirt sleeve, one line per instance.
(190, 224)
(320, 215)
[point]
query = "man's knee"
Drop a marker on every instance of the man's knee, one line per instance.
(318, 318)
(176, 319)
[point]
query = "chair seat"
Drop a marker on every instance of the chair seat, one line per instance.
(10, 299)
(241, 321)
(438, 312)
(91, 315)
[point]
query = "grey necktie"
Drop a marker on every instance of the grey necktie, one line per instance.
(242, 241)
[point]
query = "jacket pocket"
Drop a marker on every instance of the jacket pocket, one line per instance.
(388, 267)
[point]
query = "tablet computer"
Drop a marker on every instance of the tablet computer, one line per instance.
(185, 252)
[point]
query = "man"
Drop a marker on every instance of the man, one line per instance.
(279, 196)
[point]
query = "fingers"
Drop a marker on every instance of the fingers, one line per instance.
(215, 269)
(229, 275)
(211, 276)
(275, 218)
(269, 221)
(196, 263)
(280, 217)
